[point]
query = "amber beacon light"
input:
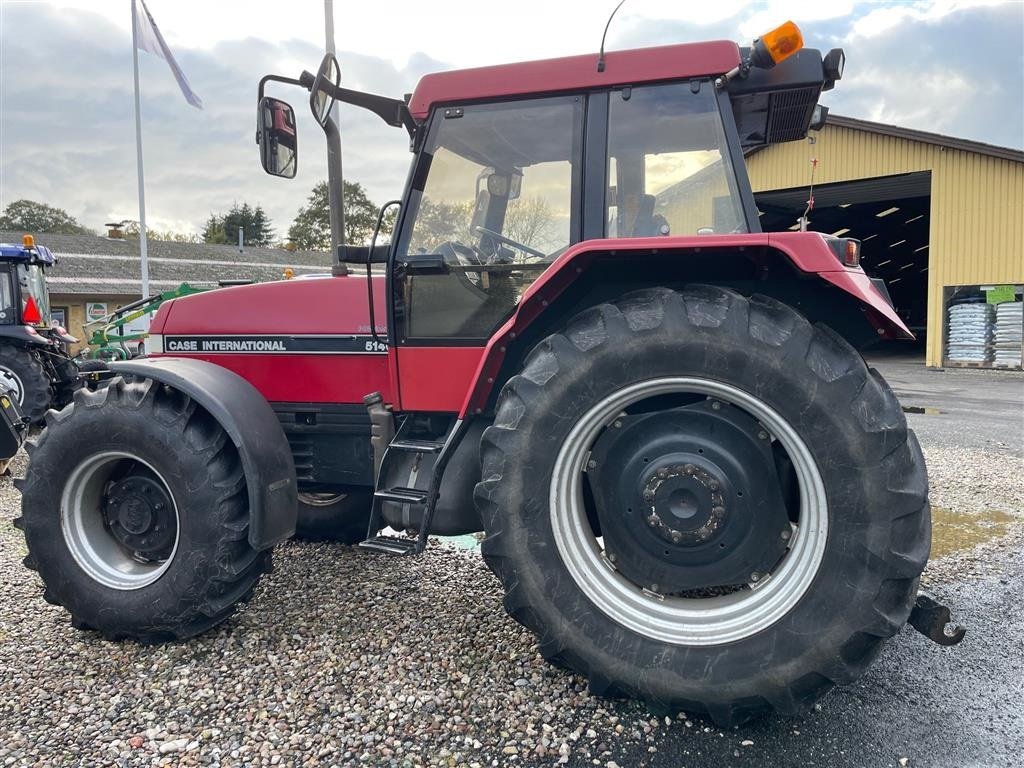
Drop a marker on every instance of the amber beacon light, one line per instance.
(777, 45)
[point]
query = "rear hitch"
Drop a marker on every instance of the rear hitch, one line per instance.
(932, 619)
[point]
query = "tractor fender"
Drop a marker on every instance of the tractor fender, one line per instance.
(807, 252)
(254, 429)
(23, 334)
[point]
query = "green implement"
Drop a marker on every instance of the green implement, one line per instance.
(112, 338)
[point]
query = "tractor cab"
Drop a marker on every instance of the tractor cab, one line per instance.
(516, 164)
(24, 299)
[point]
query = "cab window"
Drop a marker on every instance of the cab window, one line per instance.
(669, 171)
(495, 208)
(8, 311)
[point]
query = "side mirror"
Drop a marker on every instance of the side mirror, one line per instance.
(320, 101)
(277, 137)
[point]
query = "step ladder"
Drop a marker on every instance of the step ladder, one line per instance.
(425, 499)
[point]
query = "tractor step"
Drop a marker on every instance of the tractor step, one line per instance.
(391, 545)
(425, 498)
(402, 495)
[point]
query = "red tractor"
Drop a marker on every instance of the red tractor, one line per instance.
(580, 342)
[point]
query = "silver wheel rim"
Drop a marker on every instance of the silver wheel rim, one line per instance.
(673, 619)
(91, 544)
(13, 382)
(321, 499)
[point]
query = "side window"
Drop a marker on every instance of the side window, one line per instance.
(496, 206)
(669, 171)
(8, 312)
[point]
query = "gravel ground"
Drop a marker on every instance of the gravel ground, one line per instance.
(350, 658)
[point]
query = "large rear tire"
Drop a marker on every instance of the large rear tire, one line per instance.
(135, 513)
(749, 373)
(341, 517)
(24, 374)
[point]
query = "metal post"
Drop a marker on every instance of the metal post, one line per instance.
(241, 239)
(335, 185)
(138, 151)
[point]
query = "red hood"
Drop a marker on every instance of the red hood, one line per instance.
(328, 305)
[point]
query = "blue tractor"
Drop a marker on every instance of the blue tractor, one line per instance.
(36, 368)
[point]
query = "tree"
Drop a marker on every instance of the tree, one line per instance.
(131, 231)
(30, 216)
(256, 226)
(529, 221)
(311, 229)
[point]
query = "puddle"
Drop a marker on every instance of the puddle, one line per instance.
(951, 531)
(469, 541)
(955, 532)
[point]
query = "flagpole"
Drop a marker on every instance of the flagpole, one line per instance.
(138, 151)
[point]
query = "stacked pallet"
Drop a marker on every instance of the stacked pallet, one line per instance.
(1009, 330)
(970, 333)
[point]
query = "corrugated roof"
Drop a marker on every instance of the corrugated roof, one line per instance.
(925, 137)
(87, 264)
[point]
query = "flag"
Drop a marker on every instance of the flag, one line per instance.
(149, 39)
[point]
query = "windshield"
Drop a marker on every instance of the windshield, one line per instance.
(499, 184)
(33, 283)
(669, 171)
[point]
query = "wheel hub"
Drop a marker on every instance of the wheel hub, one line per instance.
(140, 515)
(689, 498)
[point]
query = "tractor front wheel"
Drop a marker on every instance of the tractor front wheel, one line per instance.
(22, 371)
(135, 514)
(703, 501)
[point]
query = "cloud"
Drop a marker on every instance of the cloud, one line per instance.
(67, 123)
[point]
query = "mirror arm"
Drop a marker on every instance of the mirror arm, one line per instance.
(392, 111)
(277, 79)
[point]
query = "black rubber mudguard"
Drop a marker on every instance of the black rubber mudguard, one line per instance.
(254, 429)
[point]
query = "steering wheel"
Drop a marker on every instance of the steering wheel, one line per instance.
(509, 241)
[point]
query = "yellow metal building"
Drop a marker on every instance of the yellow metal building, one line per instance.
(969, 195)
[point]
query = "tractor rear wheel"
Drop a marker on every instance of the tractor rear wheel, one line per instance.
(703, 501)
(341, 517)
(22, 371)
(135, 514)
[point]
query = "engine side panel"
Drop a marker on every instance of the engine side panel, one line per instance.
(295, 340)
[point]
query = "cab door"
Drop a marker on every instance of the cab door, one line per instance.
(495, 198)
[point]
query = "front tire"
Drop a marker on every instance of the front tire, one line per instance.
(751, 375)
(135, 514)
(24, 373)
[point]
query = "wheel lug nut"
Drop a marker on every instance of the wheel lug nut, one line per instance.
(786, 534)
(714, 485)
(648, 495)
(662, 473)
(718, 510)
(652, 520)
(617, 423)
(676, 537)
(755, 576)
(762, 435)
(591, 464)
(689, 469)
(715, 405)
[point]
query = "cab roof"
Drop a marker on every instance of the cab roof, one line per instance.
(574, 73)
(40, 253)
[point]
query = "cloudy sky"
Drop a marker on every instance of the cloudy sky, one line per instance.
(66, 120)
